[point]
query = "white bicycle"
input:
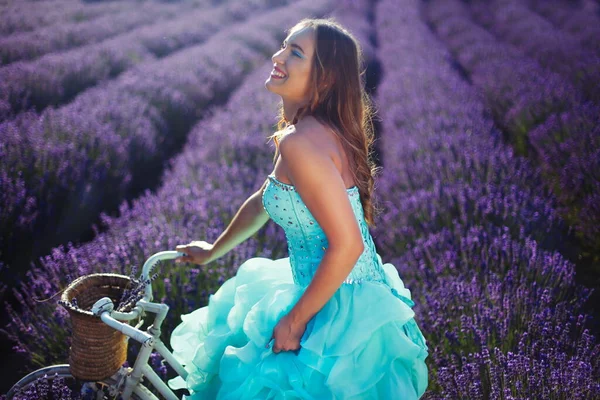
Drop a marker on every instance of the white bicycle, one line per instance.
(127, 383)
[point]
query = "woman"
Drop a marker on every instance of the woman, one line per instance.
(331, 321)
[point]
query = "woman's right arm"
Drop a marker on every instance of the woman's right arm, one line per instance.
(247, 221)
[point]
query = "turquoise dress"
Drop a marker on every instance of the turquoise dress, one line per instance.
(363, 344)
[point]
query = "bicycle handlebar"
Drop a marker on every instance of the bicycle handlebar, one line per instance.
(151, 261)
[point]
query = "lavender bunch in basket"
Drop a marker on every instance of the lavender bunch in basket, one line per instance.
(130, 297)
(72, 303)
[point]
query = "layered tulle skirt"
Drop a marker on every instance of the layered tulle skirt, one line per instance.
(363, 344)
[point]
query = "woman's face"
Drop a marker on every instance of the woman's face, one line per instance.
(294, 60)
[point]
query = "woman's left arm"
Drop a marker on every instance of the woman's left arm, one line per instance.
(322, 189)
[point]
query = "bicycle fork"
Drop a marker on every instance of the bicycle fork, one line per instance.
(149, 342)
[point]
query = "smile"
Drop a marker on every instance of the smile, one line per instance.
(278, 75)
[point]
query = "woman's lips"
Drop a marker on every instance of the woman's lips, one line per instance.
(275, 71)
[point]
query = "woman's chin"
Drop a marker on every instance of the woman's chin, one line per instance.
(270, 86)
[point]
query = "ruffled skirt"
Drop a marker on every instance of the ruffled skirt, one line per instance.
(363, 344)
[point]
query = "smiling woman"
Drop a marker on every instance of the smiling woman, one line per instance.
(292, 66)
(331, 321)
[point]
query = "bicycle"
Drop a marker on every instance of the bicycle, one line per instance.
(127, 382)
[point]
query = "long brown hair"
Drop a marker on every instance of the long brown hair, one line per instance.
(340, 102)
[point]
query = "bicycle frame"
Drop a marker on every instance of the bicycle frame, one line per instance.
(150, 340)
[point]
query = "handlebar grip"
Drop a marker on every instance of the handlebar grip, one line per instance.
(151, 261)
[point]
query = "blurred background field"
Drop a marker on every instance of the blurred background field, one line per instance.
(124, 124)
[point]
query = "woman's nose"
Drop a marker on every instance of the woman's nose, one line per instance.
(278, 58)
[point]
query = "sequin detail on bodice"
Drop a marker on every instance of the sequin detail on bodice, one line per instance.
(307, 241)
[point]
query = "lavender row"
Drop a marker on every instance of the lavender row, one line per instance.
(568, 148)
(29, 45)
(454, 164)
(16, 17)
(454, 167)
(511, 21)
(56, 78)
(581, 19)
(110, 143)
(197, 199)
(465, 211)
(522, 95)
(518, 91)
(577, 149)
(503, 315)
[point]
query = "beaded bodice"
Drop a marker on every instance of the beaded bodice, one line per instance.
(307, 241)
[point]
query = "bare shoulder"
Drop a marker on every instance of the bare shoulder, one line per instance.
(299, 141)
(317, 131)
(303, 147)
(311, 133)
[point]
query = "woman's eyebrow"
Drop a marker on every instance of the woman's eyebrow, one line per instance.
(294, 45)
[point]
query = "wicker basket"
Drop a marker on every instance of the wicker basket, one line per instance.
(97, 350)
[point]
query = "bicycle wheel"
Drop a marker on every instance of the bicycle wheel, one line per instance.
(57, 382)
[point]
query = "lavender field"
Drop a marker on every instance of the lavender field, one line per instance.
(121, 139)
